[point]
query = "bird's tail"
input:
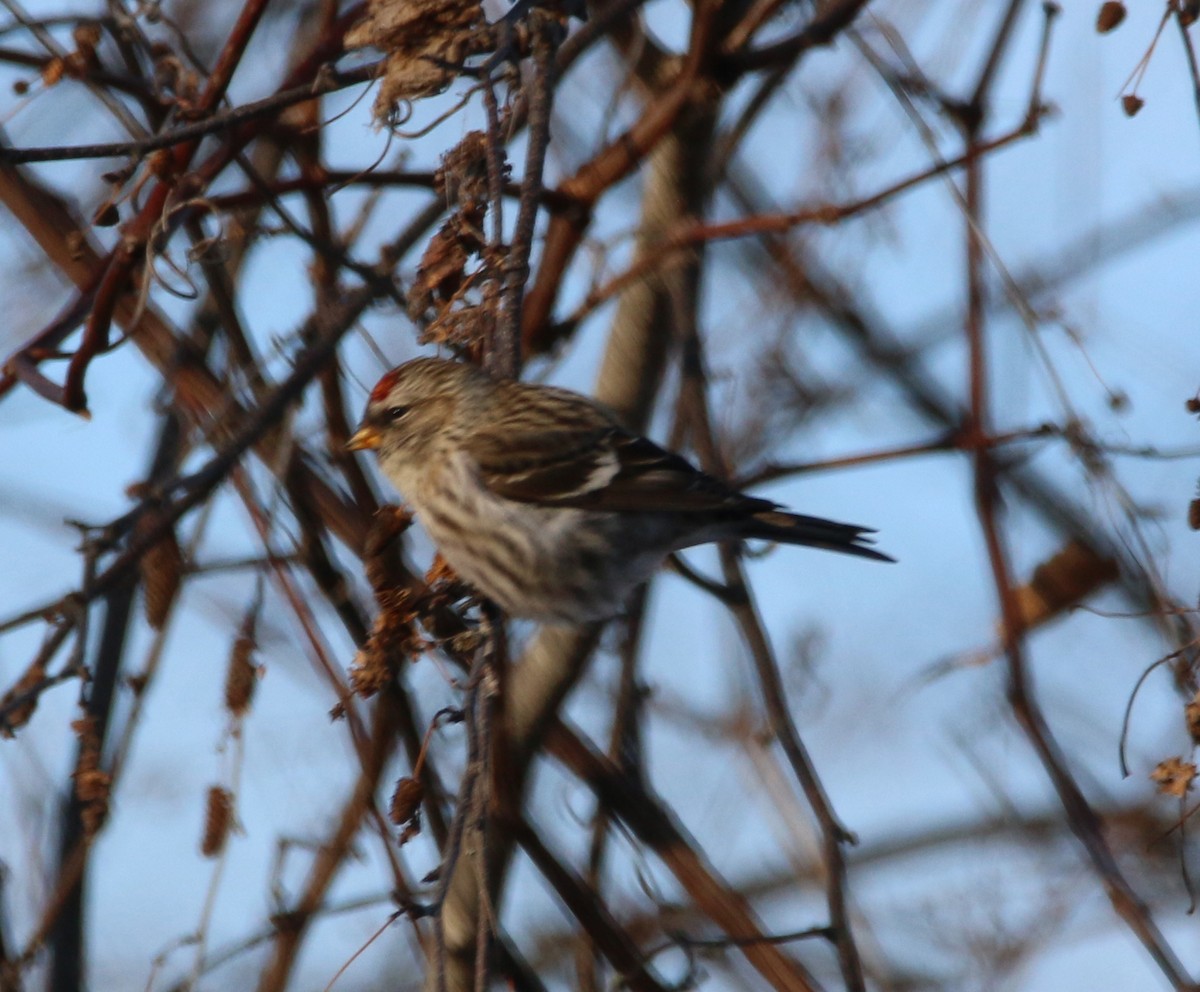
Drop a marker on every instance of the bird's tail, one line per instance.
(816, 532)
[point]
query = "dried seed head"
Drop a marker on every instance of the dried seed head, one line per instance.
(241, 676)
(1111, 14)
(1131, 103)
(92, 784)
(162, 572)
(218, 820)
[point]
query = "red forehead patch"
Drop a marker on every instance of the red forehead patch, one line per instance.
(384, 385)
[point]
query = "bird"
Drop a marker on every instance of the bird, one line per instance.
(542, 501)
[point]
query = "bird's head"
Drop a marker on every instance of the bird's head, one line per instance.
(415, 405)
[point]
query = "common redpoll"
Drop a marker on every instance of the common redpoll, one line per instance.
(538, 498)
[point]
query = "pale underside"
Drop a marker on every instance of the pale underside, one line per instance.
(548, 563)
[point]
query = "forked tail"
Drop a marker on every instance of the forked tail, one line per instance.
(816, 532)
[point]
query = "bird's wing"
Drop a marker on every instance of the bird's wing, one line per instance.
(573, 454)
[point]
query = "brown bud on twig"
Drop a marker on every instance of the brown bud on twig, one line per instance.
(218, 820)
(1111, 14)
(1131, 103)
(1193, 517)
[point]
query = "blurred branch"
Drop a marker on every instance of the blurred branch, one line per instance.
(675, 242)
(546, 37)
(327, 81)
(832, 19)
(695, 416)
(1083, 820)
(657, 828)
(585, 904)
(565, 232)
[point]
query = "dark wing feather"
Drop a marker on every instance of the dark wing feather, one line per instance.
(586, 460)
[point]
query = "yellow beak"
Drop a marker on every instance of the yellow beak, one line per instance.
(365, 437)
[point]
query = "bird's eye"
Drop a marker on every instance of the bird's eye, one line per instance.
(396, 412)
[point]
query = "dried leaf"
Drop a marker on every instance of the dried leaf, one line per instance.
(424, 41)
(406, 800)
(369, 671)
(441, 270)
(1060, 583)
(463, 175)
(463, 327)
(1174, 776)
(20, 714)
(440, 571)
